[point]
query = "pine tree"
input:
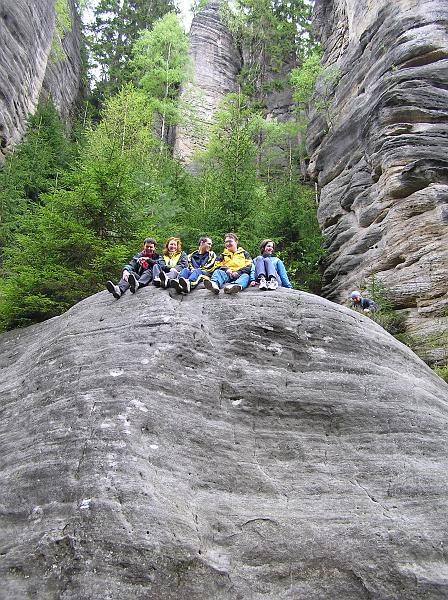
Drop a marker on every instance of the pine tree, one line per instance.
(160, 61)
(82, 233)
(33, 168)
(115, 29)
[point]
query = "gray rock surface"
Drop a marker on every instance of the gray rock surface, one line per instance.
(32, 66)
(379, 154)
(260, 446)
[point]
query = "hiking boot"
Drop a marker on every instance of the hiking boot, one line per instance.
(272, 284)
(211, 286)
(174, 283)
(184, 284)
(163, 280)
(133, 283)
(156, 281)
(262, 283)
(234, 288)
(113, 289)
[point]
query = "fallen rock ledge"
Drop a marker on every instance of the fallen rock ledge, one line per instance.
(258, 446)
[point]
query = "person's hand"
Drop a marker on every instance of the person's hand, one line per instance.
(125, 275)
(253, 283)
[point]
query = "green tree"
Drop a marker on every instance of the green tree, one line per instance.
(116, 27)
(160, 60)
(33, 168)
(229, 191)
(88, 225)
(274, 34)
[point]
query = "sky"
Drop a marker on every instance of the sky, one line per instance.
(183, 5)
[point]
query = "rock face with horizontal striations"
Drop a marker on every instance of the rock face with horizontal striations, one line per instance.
(40, 57)
(379, 152)
(215, 63)
(260, 446)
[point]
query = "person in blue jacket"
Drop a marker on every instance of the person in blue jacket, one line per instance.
(201, 265)
(362, 303)
(268, 270)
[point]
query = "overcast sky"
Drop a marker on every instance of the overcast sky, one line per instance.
(183, 5)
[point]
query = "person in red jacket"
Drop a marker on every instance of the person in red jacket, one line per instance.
(138, 272)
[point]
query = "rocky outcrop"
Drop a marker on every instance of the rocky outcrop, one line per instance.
(264, 445)
(379, 153)
(215, 63)
(40, 57)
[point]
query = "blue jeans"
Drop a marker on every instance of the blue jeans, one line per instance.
(221, 277)
(195, 276)
(265, 268)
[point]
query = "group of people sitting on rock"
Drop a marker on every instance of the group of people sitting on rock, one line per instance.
(233, 270)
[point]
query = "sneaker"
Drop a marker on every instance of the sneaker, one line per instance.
(262, 283)
(234, 288)
(113, 289)
(163, 280)
(184, 284)
(272, 284)
(156, 282)
(211, 286)
(133, 283)
(174, 283)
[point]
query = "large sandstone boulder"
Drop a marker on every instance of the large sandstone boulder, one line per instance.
(259, 446)
(379, 154)
(40, 57)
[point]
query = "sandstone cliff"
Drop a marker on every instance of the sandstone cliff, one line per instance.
(40, 57)
(379, 154)
(215, 63)
(263, 446)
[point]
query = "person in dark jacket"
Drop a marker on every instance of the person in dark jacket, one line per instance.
(365, 304)
(138, 272)
(174, 259)
(201, 264)
(268, 270)
(232, 268)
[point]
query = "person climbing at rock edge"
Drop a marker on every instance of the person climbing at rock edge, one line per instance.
(360, 302)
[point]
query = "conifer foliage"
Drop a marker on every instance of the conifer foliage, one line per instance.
(72, 213)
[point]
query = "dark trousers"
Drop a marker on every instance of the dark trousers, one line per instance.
(143, 279)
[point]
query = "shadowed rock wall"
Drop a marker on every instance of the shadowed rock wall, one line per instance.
(260, 446)
(35, 62)
(379, 154)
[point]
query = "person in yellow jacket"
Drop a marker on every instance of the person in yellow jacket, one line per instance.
(232, 268)
(173, 261)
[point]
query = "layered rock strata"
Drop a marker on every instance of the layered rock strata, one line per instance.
(263, 446)
(379, 154)
(215, 63)
(40, 57)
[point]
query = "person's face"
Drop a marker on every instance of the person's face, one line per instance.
(230, 244)
(205, 246)
(269, 248)
(149, 248)
(356, 299)
(172, 246)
